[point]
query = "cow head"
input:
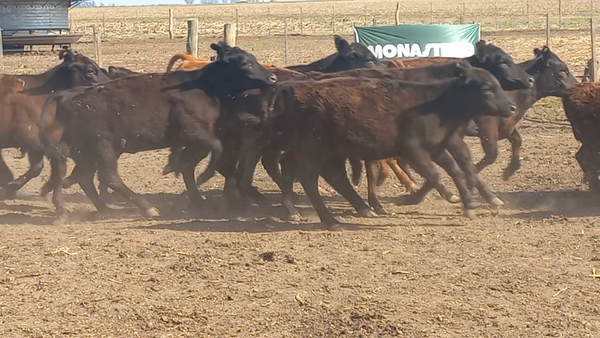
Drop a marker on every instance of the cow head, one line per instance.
(552, 75)
(481, 92)
(236, 70)
(350, 56)
(79, 70)
(501, 65)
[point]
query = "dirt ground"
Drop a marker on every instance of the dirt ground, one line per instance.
(425, 271)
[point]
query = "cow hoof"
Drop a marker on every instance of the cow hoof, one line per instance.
(381, 211)
(497, 202)
(152, 212)
(296, 218)
(469, 213)
(366, 213)
(453, 199)
(413, 187)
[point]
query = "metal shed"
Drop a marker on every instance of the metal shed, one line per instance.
(37, 22)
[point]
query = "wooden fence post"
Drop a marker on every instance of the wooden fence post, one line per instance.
(285, 40)
(237, 18)
(97, 45)
(559, 14)
(301, 23)
(103, 23)
(333, 18)
(374, 22)
(431, 10)
(1, 53)
(269, 19)
(171, 35)
(230, 33)
(593, 68)
(547, 29)
(527, 14)
(191, 44)
(397, 14)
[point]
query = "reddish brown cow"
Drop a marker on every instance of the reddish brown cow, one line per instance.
(322, 123)
(22, 99)
(582, 104)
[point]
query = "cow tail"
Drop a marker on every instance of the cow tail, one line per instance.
(178, 56)
(52, 149)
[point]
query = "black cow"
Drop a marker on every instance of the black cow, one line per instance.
(22, 98)
(348, 56)
(552, 78)
(175, 109)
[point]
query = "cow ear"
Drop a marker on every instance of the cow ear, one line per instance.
(537, 52)
(546, 55)
(342, 45)
(461, 72)
(66, 54)
(479, 46)
(219, 49)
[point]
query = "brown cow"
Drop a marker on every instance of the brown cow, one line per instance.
(176, 109)
(582, 103)
(22, 99)
(487, 56)
(322, 123)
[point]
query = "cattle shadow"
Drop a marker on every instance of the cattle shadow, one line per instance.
(547, 204)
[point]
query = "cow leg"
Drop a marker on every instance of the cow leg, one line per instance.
(246, 168)
(422, 163)
(383, 172)
(288, 175)
(515, 162)
(36, 164)
(308, 175)
(59, 171)
(107, 158)
(356, 166)
(335, 175)
(85, 179)
(402, 169)
(372, 186)
(270, 161)
(446, 161)
(402, 176)
(489, 142)
(460, 151)
(6, 176)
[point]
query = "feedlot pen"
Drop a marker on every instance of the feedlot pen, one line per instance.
(424, 271)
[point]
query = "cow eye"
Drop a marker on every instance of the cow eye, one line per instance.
(563, 72)
(90, 71)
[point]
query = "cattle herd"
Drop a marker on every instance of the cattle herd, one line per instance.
(301, 122)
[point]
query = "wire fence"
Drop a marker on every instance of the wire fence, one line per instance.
(326, 18)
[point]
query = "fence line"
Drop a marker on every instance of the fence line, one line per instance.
(259, 20)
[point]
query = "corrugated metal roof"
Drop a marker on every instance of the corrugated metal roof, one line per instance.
(37, 15)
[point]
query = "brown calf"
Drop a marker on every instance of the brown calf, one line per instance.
(322, 123)
(22, 98)
(582, 103)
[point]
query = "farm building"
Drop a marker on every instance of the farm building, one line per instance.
(37, 22)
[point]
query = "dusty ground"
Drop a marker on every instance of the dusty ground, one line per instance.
(520, 271)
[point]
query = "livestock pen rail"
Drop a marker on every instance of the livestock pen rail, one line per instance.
(326, 18)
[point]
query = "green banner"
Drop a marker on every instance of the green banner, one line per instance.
(409, 41)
